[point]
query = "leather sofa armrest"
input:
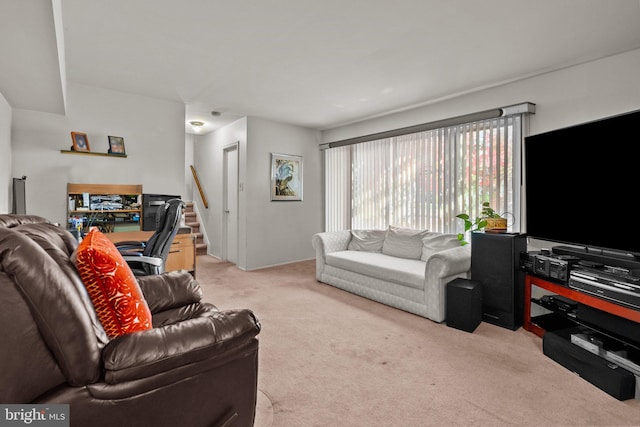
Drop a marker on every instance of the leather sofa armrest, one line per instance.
(144, 354)
(169, 290)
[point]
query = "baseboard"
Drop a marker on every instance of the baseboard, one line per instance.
(276, 265)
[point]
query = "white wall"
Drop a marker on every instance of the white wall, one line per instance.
(153, 132)
(270, 233)
(6, 183)
(280, 232)
(573, 95)
(187, 193)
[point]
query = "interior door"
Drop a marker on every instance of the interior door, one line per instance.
(230, 205)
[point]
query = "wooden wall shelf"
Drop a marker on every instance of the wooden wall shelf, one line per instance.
(89, 153)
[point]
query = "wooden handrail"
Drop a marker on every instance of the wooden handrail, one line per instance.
(195, 177)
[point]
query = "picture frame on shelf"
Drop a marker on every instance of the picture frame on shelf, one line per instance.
(80, 142)
(116, 145)
(286, 177)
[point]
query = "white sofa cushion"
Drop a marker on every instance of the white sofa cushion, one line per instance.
(404, 271)
(436, 242)
(367, 240)
(403, 242)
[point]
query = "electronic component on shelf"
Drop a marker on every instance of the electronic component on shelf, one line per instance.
(549, 265)
(559, 303)
(526, 261)
(619, 288)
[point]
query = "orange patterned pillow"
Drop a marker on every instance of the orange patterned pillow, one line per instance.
(113, 288)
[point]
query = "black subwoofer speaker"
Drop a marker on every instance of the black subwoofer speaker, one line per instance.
(464, 304)
(495, 263)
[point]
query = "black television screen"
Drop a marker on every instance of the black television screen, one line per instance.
(581, 184)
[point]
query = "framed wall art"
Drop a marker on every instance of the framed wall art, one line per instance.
(116, 145)
(286, 177)
(80, 141)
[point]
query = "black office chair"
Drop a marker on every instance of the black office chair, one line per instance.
(150, 257)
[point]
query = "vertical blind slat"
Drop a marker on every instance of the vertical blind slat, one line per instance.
(423, 180)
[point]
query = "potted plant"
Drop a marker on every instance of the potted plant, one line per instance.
(489, 221)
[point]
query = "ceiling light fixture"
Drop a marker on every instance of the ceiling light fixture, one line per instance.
(196, 123)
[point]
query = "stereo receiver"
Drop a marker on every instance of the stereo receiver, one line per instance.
(550, 265)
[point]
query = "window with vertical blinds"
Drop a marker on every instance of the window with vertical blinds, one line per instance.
(423, 180)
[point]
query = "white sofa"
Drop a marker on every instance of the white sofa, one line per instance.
(403, 268)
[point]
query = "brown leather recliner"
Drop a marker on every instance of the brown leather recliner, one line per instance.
(197, 367)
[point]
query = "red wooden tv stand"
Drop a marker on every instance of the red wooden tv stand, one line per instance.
(577, 296)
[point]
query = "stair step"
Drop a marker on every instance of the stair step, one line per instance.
(195, 226)
(191, 220)
(201, 249)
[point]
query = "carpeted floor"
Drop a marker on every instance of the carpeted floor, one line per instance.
(330, 358)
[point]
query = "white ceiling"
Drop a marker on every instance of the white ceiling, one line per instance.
(314, 63)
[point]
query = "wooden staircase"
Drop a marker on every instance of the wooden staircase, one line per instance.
(191, 220)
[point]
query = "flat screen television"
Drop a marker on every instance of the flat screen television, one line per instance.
(581, 185)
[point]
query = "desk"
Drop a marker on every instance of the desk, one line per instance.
(182, 255)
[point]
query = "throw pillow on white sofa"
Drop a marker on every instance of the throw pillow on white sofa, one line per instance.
(403, 242)
(367, 240)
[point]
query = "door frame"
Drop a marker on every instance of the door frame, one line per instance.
(225, 192)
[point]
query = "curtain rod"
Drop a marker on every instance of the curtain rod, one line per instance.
(526, 107)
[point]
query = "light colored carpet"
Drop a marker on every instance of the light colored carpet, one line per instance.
(330, 358)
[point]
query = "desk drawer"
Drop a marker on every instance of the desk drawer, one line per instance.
(182, 255)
